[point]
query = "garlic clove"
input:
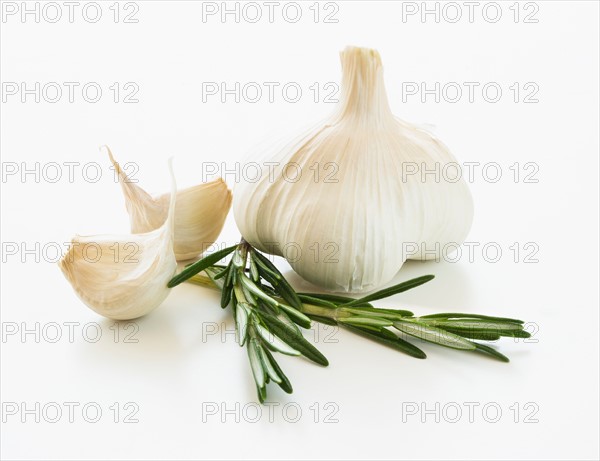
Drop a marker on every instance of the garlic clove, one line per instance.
(353, 232)
(123, 277)
(199, 214)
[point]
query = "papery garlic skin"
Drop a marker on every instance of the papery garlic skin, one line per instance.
(354, 232)
(123, 277)
(199, 214)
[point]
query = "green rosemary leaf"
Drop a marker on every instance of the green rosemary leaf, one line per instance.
(376, 312)
(279, 282)
(247, 295)
(293, 339)
(335, 299)
(268, 290)
(434, 335)
(491, 351)
(241, 319)
(289, 295)
(394, 312)
(253, 268)
(285, 384)
(266, 363)
(221, 274)
(518, 334)
(484, 335)
(316, 301)
(385, 338)
(482, 325)
(371, 328)
(204, 281)
(457, 315)
(281, 287)
(510, 329)
(388, 334)
(366, 321)
(263, 260)
(296, 316)
(239, 256)
(266, 265)
(404, 286)
(471, 334)
(325, 320)
(256, 291)
(281, 315)
(255, 363)
(274, 343)
(226, 292)
(199, 266)
(268, 308)
(262, 393)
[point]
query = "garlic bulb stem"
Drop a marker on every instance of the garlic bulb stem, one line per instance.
(363, 94)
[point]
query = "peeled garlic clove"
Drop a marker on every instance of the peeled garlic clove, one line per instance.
(123, 277)
(351, 227)
(199, 214)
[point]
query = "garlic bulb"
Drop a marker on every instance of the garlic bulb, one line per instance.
(351, 227)
(199, 214)
(123, 277)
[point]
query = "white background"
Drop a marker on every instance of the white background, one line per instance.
(175, 369)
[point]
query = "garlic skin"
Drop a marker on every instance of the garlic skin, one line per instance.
(199, 214)
(354, 232)
(123, 277)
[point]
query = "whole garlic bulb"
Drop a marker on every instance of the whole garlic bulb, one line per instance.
(199, 214)
(353, 232)
(123, 277)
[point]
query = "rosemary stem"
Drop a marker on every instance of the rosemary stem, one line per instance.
(327, 312)
(310, 309)
(204, 281)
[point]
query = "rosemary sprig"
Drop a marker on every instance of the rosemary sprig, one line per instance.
(269, 313)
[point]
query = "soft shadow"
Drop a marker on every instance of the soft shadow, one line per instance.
(176, 329)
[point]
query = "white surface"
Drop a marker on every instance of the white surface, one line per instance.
(174, 368)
